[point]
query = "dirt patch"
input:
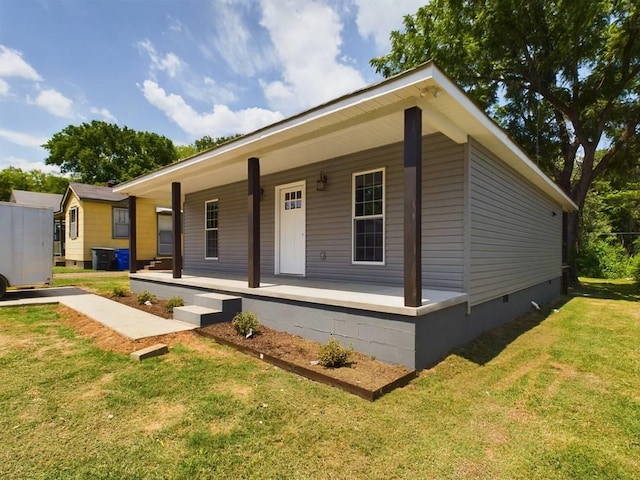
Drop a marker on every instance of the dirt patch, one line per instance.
(107, 339)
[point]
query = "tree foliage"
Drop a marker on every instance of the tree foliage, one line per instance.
(98, 152)
(610, 223)
(12, 178)
(559, 76)
(202, 144)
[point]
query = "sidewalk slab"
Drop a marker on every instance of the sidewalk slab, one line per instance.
(130, 322)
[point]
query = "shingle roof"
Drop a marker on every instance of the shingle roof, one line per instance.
(94, 192)
(37, 199)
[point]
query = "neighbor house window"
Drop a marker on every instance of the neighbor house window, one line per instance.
(73, 222)
(211, 229)
(368, 217)
(120, 222)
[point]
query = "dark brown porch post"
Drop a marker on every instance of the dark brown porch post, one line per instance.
(133, 237)
(176, 226)
(413, 207)
(254, 222)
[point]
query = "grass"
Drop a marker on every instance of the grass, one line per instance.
(557, 397)
(97, 284)
(72, 270)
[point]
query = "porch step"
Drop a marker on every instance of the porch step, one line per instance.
(197, 315)
(228, 304)
(209, 308)
(164, 263)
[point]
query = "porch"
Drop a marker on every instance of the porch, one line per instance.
(359, 296)
(372, 318)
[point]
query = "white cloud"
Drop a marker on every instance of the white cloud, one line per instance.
(54, 102)
(378, 18)
(4, 88)
(307, 38)
(170, 63)
(22, 139)
(192, 85)
(27, 164)
(236, 41)
(209, 90)
(175, 25)
(13, 65)
(106, 114)
(221, 121)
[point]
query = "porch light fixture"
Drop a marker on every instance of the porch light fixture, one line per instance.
(322, 182)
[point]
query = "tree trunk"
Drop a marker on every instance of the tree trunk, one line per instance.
(573, 223)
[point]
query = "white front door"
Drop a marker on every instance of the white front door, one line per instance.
(290, 229)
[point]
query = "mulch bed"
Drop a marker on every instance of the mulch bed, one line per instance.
(365, 376)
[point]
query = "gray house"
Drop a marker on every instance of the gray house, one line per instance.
(398, 218)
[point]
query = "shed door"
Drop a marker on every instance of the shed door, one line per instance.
(290, 228)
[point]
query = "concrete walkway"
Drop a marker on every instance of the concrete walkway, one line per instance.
(127, 321)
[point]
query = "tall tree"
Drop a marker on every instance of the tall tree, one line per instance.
(562, 77)
(202, 144)
(207, 142)
(13, 178)
(98, 152)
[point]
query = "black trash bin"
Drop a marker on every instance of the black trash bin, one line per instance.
(103, 258)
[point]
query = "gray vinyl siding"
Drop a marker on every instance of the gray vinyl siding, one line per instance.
(329, 219)
(515, 237)
(232, 230)
(442, 214)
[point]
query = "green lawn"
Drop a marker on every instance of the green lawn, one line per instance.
(552, 395)
(97, 284)
(71, 270)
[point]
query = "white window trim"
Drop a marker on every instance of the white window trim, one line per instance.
(113, 223)
(77, 222)
(383, 216)
(207, 229)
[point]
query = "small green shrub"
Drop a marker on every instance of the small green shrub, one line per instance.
(146, 296)
(334, 355)
(174, 302)
(244, 322)
(119, 291)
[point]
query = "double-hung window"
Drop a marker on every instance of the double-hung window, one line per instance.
(120, 222)
(368, 217)
(211, 230)
(73, 223)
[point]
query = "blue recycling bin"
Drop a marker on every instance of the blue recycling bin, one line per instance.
(122, 258)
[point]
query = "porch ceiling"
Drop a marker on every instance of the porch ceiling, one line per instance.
(366, 119)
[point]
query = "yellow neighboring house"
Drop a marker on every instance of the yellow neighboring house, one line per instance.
(98, 218)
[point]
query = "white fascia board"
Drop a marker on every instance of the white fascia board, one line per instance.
(355, 99)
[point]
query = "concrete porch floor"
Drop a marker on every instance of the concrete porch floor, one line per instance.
(376, 298)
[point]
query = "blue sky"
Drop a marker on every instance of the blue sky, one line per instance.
(180, 68)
